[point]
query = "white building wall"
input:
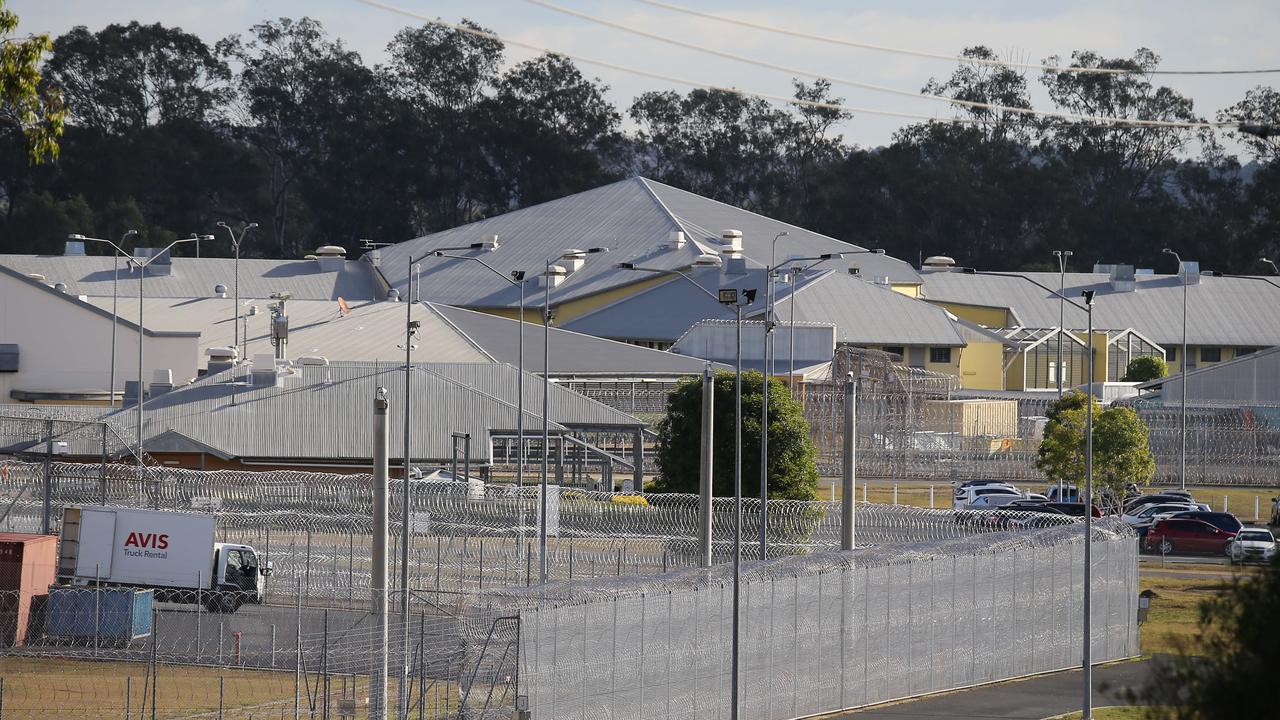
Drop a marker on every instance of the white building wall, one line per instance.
(66, 347)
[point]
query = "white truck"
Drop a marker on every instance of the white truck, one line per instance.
(173, 553)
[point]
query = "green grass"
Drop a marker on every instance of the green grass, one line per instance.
(1175, 614)
(1117, 712)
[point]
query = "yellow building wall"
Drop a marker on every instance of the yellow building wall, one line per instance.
(911, 290)
(573, 308)
(987, 316)
(982, 366)
(950, 368)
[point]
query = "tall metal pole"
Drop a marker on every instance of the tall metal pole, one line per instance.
(142, 274)
(378, 581)
(847, 531)
(546, 434)
(1062, 318)
(115, 298)
(520, 398)
(791, 337)
(402, 697)
(764, 416)
(1087, 666)
(705, 467)
(1182, 419)
(737, 512)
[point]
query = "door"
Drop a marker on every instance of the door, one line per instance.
(95, 543)
(242, 570)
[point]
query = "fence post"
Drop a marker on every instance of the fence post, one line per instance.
(48, 478)
(221, 695)
(895, 493)
(1224, 503)
(931, 497)
(199, 649)
(155, 675)
(128, 697)
(273, 645)
(297, 657)
(1255, 508)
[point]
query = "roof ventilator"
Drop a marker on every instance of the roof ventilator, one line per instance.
(161, 381)
(675, 239)
(731, 251)
(221, 358)
(264, 372)
(938, 263)
(572, 260)
(331, 258)
(161, 265)
(554, 275)
(1123, 278)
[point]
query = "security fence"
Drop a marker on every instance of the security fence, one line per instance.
(825, 632)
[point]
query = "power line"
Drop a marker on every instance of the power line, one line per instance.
(1128, 122)
(939, 56)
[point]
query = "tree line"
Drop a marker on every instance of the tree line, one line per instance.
(286, 126)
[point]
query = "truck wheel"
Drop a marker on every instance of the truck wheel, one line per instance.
(228, 602)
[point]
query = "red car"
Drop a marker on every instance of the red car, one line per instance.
(1176, 535)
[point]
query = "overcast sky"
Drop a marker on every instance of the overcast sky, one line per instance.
(1188, 34)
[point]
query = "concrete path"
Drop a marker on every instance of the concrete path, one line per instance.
(1030, 699)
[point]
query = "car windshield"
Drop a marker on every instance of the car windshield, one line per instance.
(995, 491)
(1256, 536)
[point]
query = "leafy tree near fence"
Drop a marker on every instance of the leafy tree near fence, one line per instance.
(1144, 368)
(793, 470)
(1121, 453)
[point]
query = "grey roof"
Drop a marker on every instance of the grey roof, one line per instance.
(572, 353)
(1250, 379)
(325, 413)
(632, 218)
(92, 275)
(371, 330)
(862, 312)
(1231, 311)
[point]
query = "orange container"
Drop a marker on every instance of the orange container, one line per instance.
(28, 564)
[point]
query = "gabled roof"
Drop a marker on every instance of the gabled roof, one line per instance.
(572, 353)
(325, 413)
(862, 312)
(1229, 311)
(93, 275)
(633, 218)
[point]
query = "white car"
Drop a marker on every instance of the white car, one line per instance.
(1252, 544)
(1146, 515)
(965, 496)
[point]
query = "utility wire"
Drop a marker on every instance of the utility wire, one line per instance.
(939, 56)
(1128, 122)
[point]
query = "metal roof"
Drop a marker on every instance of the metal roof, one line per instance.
(862, 312)
(324, 413)
(1252, 379)
(1231, 311)
(572, 353)
(633, 218)
(84, 303)
(92, 275)
(370, 331)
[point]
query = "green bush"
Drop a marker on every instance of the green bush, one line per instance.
(1147, 367)
(793, 470)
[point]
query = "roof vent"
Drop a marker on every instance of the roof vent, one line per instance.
(938, 263)
(490, 242)
(855, 271)
(60, 287)
(331, 257)
(1103, 268)
(375, 257)
(554, 275)
(158, 261)
(675, 239)
(393, 295)
(38, 277)
(1122, 278)
(1191, 270)
(161, 381)
(573, 259)
(309, 256)
(220, 290)
(730, 241)
(264, 370)
(734, 264)
(883, 281)
(312, 360)
(74, 247)
(221, 358)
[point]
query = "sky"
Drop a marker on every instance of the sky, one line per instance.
(1187, 34)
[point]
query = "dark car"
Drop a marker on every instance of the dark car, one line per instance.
(1074, 509)
(1186, 536)
(1221, 520)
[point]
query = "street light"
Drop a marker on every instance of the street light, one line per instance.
(1062, 256)
(726, 296)
(142, 275)
(1182, 414)
(1086, 711)
(766, 371)
(235, 244)
(546, 395)
(115, 296)
(1272, 263)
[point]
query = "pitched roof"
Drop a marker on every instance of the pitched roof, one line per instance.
(324, 413)
(572, 353)
(1231, 311)
(862, 312)
(92, 275)
(632, 218)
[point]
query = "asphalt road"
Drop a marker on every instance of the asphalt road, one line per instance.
(1030, 699)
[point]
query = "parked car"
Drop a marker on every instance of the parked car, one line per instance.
(1145, 514)
(1134, 503)
(1070, 493)
(1220, 520)
(1186, 536)
(965, 496)
(988, 501)
(1252, 545)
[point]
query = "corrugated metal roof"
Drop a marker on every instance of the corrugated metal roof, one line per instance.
(1252, 379)
(863, 313)
(632, 218)
(370, 331)
(196, 277)
(572, 353)
(322, 413)
(1243, 312)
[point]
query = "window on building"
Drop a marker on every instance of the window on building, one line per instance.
(895, 350)
(940, 355)
(1210, 354)
(1171, 354)
(1245, 351)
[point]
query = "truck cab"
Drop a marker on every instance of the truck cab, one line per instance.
(238, 577)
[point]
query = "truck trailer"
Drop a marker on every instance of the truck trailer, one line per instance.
(172, 553)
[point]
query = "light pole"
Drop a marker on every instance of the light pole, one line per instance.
(1086, 711)
(142, 274)
(1274, 270)
(766, 371)
(546, 396)
(115, 298)
(1062, 256)
(726, 296)
(1182, 370)
(235, 308)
